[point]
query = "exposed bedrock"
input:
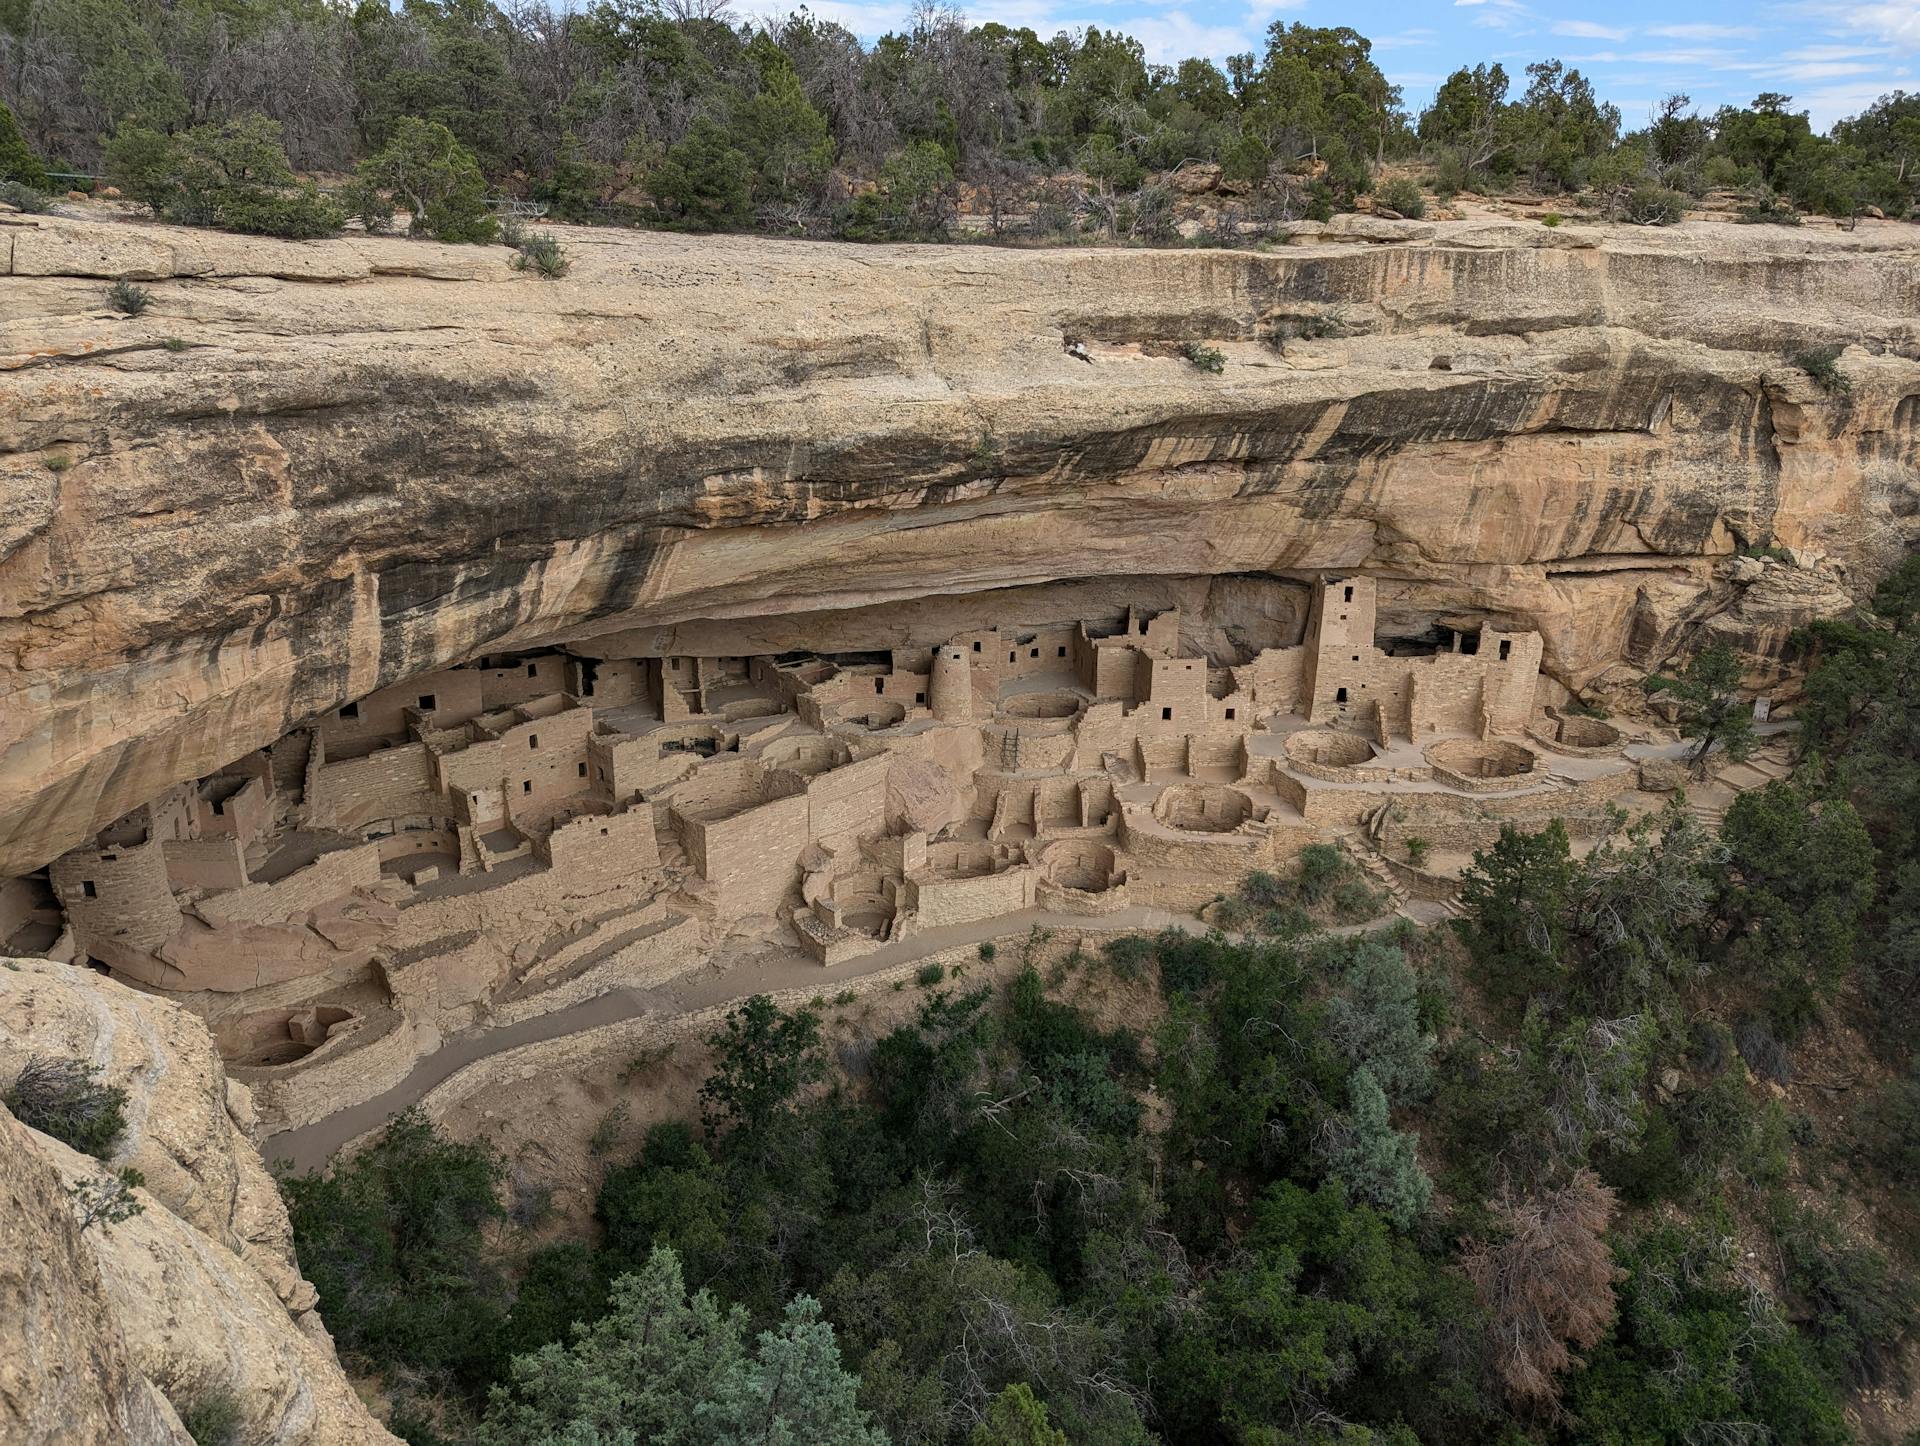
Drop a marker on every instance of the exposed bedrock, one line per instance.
(374, 457)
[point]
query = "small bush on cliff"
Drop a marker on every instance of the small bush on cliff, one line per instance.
(127, 299)
(23, 196)
(543, 254)
(1207, 358)
(1402, 196)
(1655, 206)
(61, 1097)
(1822, 364)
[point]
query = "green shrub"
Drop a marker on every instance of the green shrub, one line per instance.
(1403, 196)
(1655, 206)
(987, 951)
(1552, 218)
(368, 205)
(1822, 364)
(1449, 175)
(25, 197)
(542, 252)
(174, 343)
(18, 163)
(1859, 1311)
(1207, 358)
(60, 1097)
(928, 975)
(211, 1414)
(127, 299)
(233, 175)
(1417, 850)
(438, 178)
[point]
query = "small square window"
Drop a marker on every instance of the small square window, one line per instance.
(1034, 654)
(920, 698)
(351, 710)
(427, 702)
(603, 833)
(87, 887)
(1166, 713)
(1340, 696)
(1062, 653)
(526, 785)
(1356, 657)
(1229, 715)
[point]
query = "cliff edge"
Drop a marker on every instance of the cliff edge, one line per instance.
(107, 1327)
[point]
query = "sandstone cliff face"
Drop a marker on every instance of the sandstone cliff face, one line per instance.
(374, 457)
(199, 1290)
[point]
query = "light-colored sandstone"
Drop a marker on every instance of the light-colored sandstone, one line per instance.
(201, 1287)
(342, 483)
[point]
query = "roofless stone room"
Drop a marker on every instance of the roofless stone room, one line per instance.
(717, 730)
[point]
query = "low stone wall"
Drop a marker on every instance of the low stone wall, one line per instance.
(347, 1070)
(656, 959)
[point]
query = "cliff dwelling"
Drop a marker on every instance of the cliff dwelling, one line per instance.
(490, 840)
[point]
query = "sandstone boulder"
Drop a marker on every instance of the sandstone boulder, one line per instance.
(201, 1285)
(1662, 775)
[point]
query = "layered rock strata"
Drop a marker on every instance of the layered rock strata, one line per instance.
(311, 470)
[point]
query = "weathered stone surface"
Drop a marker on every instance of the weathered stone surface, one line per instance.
(201, 1287)
(342, 482)
(66, 1375)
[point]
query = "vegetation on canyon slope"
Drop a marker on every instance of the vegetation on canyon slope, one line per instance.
(1531, 1177)
(725, 124)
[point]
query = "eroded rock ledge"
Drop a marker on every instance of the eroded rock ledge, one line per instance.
(310, 470)
(104, 1326)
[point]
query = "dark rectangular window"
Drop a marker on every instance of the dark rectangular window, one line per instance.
(351, 710)
(1340, 696)
(533, 740)
(1034, 653)
(1166, 713)
(1229, 715)
(526, 785)
(87, 888)
(976, 646)
(919, 697)
(1506, 648)
(1346, 595)
(1010, 657)
(583, 770)
(533, 670)
(1062, 653)
(879, 685)
(427, 702)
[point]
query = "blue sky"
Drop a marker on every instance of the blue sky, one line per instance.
(1834, 57)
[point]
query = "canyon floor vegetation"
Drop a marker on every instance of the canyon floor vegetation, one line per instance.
(1625, 1153)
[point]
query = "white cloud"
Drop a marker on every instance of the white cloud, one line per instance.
(1405, 39)
(1588, 30)
(1703, 32)
(1895, 21)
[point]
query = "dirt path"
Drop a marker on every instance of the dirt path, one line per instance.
(310, 1146)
